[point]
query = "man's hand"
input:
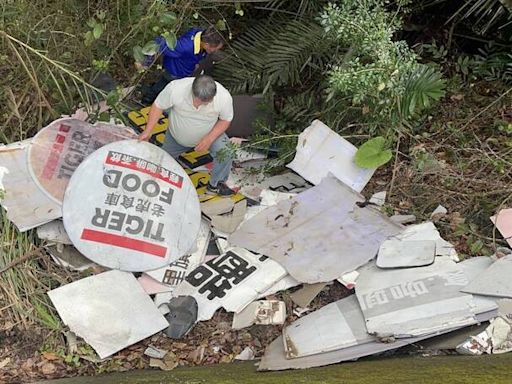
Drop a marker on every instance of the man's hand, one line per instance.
(144, 136)
(204, 144)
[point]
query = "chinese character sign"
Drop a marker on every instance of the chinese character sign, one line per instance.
(58, 149)
(130, 206)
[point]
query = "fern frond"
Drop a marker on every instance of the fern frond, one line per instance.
(424, 86)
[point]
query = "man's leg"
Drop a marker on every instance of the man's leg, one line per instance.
(222, 160)
(172, 147)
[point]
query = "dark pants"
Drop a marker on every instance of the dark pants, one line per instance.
(150, 93)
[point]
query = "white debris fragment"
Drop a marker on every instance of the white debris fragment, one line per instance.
(438, 212)
(245, 355)
(155, 352)
(54, 231)
(349, 279)
(262, 312)
(110, 311)
(378, 198)
(232, 280)
(321, 151)
(3, 171)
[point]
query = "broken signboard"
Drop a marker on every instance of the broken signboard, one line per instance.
(130, 206)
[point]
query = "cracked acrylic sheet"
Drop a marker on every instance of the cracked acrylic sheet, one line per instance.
(318, 235)
(232, 281)
(110, 311)
(494, 281)
(321, 151)
(503, 221)
(414, 301)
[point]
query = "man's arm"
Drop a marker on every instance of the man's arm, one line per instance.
(154, 116)
(218, 129)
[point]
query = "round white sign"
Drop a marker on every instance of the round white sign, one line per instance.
(57, 150)
(130, 206)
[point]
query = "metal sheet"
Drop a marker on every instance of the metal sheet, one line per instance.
(26, 205)
(59, 148)
(318, 235)
(414, 301)
(321, 151)
(110, 311)
(174, 274)
(281, 285)
(395, 253)
(275, 358)
(335, 326)
(131, 206)
(232, 281)
(494, 281)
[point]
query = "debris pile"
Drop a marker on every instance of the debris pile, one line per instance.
(167, 255)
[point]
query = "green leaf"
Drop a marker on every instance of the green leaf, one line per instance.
(97, 31)
(168, 18)
(150, 48)
(373, 153)
(113, 98)
(91, 23)
(138, 55)
(170, 39)
(220, 25)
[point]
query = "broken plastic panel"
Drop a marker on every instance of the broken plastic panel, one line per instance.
(26, 205)
(412, 302)
(173, 274)
(321, 151)
(59, 148)
(110, 311)
(304, 233)
(494, 281)
(395, 253)
(335, 326)
(131, 206)
(232, 281)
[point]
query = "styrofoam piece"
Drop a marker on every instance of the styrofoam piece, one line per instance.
(321, 151)
(494, 281)
(304, 233)
(54, 231)
(411, 302)
(440, 210)
(131, 206)
(261, 312)
(395, 253)
(503, 221)
(174, 273)
(59, 148)
(26, 205)
(110, 311)
(232, 281)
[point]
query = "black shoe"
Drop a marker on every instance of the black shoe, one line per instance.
(221, 189)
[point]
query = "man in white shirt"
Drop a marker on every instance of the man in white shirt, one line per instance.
(200, 111)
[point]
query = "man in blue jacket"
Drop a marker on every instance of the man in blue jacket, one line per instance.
(182, 60)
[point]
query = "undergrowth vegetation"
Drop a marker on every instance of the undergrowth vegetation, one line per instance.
(437, 97)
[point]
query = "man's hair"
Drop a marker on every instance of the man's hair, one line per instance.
(212, 37)
(204, 88)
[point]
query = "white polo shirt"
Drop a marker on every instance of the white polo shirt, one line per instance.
(187, 124)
